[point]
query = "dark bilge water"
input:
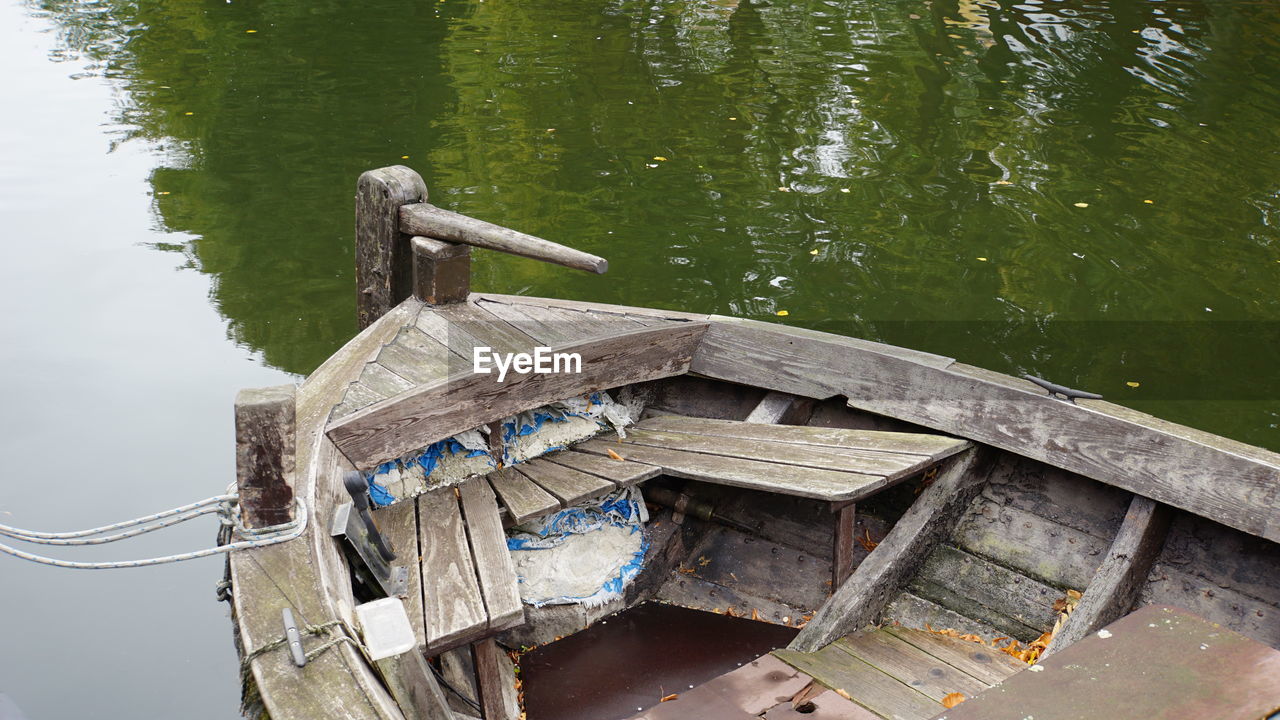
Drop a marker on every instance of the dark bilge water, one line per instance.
(1086, 190)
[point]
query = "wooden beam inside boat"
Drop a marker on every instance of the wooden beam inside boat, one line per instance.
(1115, 586)
(419, 417)
(859, 601)
(1229, 482)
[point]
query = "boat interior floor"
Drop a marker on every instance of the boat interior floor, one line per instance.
(465, 587)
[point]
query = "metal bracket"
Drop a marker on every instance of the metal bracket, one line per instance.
(353, 522)
(1062, 392)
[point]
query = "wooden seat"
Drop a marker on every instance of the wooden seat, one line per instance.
(829, 464)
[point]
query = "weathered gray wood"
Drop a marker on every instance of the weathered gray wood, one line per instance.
(554, 325)
(382, 381)
(884, 464)
(265, 454)
(441, 271)
(496, 679)
(935, 447)
(568, 485)
(620, 473)
(859, 601)
(359, 395)
(309, 574)
(399, 523)
(484, 328)
(1056, 554)
(438, 410)
(913, 611)
(453, 608)
(842, 544)
(522, 497)
(752, 567)
(1118, 581)
(775, 406)
(1247, 615)
(1232, 483)
(434, 222)
(497, 574)
(416, 357)
(459, 670)
(384, 267)
(986, 665)
(817, 483)
(414, 686)
(635, 313)
(989, 593)
(861, 683)
(910, 665)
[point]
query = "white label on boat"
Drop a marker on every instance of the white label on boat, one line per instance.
(540, 362)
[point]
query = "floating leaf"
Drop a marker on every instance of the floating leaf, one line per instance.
(951, 700)
(251, 31)
(813, 251)
(1149, 202)
(782, 313)
(844, 190)
(982, 259)
(784, 188)
(1002, 182)
(659, 158)
(1081, 204)
(404, 157)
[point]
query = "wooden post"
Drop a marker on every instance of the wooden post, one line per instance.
(842, 553)
(441, 271)
(497, 680)
(265, 442)
(384, 271)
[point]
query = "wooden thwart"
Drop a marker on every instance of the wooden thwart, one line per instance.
(936, 447)
(569, 486)
(523, 498)
(621, 473)
(453, 607)
(497, 574)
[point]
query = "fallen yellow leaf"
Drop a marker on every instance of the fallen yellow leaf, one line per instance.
(251, 31)
(614, 455)
(982, 259)
(813, 251)
(951, 700)
(1132, 384)
(783, 313)
(672, 696)
(1003, 182)
(1081, 204)
(659, 158)
(1149, 202)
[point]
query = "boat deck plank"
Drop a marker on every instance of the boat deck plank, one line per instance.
(977, 660)
(497, 574)
(864, 684)
(888, 465)
(569, 486)
(453, 607)
(523, 498)
(928, 445)
(620, 472)
(911, 665)
(399, 523)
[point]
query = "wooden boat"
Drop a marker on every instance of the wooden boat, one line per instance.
(868, 493)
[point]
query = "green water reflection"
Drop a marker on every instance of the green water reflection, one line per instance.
(1085, 190)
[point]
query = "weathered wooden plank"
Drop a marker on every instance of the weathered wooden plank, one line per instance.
(414, 686)
(568, 485)
(399, 523)
(1158, 663)
(826, 705)
(1224, 557)
(635, 313)
(935, 447)
(861, 683)
(453, 608)
(1216, 478)
(910, 665)
(973, 586)
(891, 466)
(776, 406)
(431, 221)
(523, 498)
(382, 381)
(787, 479)
(1043, 549)
(266, 428)
(876, 580)
(441, 271)
(308, 574)
(755, 567)
(842, 555)
(496, 679)
(416, 358)
(1061, 496)
(497, 574)
(384, 267)
(485, 329)
(358, 395)
(976, 660)
(620, 473)
(438, 410)
(1119, 579)
(554, 325)
(1230, 608)
(458, 670)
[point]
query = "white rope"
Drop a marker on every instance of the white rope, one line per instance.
(225, 505)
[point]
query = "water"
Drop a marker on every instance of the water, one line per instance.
(968, 178)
